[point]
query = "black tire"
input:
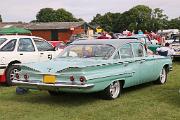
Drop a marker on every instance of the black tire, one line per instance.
(11, 70)
(162, 77)
(53, 93)
(109, 94)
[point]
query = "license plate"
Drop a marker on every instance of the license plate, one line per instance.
(49, 78)
(177, 53)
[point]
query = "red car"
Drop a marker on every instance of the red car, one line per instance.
(60, 45)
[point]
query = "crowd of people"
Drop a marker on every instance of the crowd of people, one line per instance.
(158, 37)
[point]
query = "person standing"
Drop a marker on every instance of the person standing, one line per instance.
(167, 48)
(140, 32)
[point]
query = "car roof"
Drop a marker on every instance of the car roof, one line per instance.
(113, 42)
(17, 36)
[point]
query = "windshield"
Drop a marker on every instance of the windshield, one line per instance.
(88, 51)
(2, 40)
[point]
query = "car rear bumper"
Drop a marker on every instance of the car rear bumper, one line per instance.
(45, 86)
(176, 56)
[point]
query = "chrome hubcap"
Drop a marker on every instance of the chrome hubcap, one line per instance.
(115, 89)
(163, 76)
(14, 74)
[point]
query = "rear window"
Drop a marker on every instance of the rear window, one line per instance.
(43, 45)
(10, 46)
(2, 40)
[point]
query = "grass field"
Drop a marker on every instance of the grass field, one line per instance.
(143, 102)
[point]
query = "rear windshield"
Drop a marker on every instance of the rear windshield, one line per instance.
(88, 51)
(2, 40)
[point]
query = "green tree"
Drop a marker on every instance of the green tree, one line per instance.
(174, 23)
(46, 15)
(138, 17)
(107, 21)
(96, 20)
(51, 15)
(159, 20)
(61, 15)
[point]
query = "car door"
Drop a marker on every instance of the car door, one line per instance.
(45, 50)
(26, 51)
(129, 65)
(145, 64)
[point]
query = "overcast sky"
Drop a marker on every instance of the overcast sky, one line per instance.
(26, 10)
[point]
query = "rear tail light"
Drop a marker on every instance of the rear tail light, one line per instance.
(82, 79)
(71, 78)
(17, 76)
(26, 77)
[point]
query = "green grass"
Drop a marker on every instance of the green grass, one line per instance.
(144, 102)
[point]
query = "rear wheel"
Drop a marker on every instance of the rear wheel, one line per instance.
(12, 73)
(162, 77)
(113, 91)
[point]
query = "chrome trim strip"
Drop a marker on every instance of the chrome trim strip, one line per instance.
(57, 85)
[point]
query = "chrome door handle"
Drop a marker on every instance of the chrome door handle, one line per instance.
(142, 60)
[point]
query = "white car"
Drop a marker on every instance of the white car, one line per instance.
(22, 49)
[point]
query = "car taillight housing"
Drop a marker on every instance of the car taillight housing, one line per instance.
(82, 79)
(17, 76)
(26, 77)
(71, 78)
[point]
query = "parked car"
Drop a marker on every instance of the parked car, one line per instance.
(86, 66)
(59, 45)
(174, 38)
(22, 49)
(176, 47)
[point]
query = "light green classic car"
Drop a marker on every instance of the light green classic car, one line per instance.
(105, 66)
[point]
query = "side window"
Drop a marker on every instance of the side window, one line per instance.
(138, 50)
(43, 45)
(10, 46)
(25, 45)
(126, 51)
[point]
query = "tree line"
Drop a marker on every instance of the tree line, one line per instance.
(139, 17)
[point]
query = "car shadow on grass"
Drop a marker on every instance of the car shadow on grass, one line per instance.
(137, 87)
(70, 99)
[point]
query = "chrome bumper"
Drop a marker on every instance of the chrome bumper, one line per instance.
(40, 85)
